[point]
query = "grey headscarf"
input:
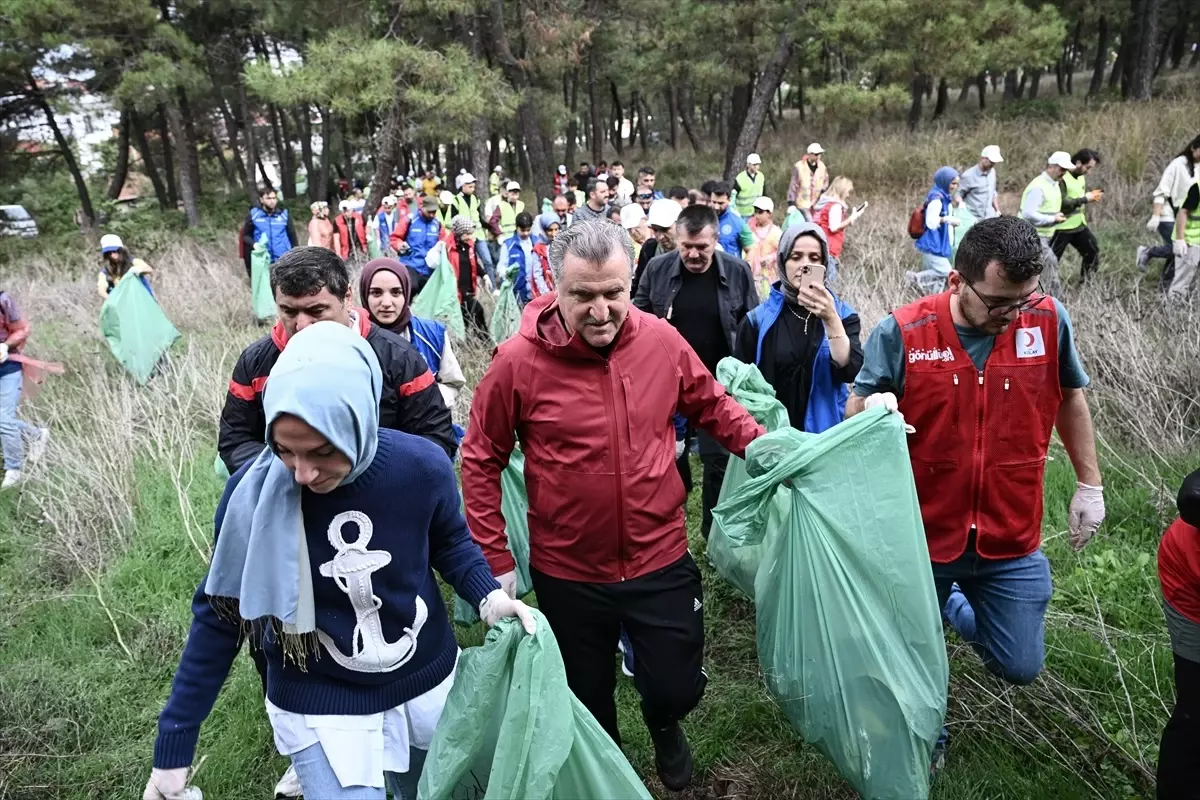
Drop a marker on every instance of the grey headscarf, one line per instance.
(786, 242)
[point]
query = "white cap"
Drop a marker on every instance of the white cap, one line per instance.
(110, 242)
(446, 197)
(663, 213)
(498, 168)
(512, 186)
(992, 153)
(466, 178)
(632, 216)
(753, 159)
(389, 200)
(344, 205)
(1061, 158)
(562, 169)
(815, 149)
(315, 207)
(764, 204)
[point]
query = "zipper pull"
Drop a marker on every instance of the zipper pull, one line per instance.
(981, 378)
(670, 308)
(956, 379)
(1006, 384)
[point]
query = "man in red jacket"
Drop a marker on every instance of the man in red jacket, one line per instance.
(589, 386)
(1179, 574)
(985, 371)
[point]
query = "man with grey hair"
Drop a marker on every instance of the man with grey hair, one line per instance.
(589, 386)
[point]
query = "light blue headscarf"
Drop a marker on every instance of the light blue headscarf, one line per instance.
(329, 377)
(941, 185)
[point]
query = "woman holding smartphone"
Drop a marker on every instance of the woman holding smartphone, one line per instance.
(804, 339)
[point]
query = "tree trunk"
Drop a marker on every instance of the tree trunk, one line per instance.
(1035, 79)
(347, 155)
(917, 88)
(304, 131)
(1142, 77)
(187, 189)
(981, 89)
(642, 114)
(673, 116)
(573, 124)
(214, 142)
(943, 98)
(138, 131)
(1060, 73)
(189, 145)
(1179, 41)
(121, 170)
(738, 108)
(1073, 56)
(965, 92)
(287, 178)
(687, 118)
(85, 199)
(251, 145)
(389, 139)
(1010, 85)
(493, 150)
(164, 138)
(746, 139)
(597, 135)
(1164, 49)
(1101, 57)
(231, 129)
(527, 116)
(327, 128)
(634, 112)
(617, 117)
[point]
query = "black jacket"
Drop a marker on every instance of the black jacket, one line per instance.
(660, 282)
(410, 402)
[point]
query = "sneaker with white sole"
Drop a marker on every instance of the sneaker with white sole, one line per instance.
(289, 784)
(1142, 259)
(37, 448)
(11, 479)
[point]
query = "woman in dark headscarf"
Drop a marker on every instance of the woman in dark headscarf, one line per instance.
(802, 337)
(385, 289)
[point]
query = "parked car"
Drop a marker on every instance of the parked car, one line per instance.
(15, 221)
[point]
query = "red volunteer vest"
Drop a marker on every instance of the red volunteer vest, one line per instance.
(834, 240)
(979, 453)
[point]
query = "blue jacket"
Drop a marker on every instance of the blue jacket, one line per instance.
(275, 226)
(936, 242)
(429, 337)
(422, 237)
(826, 401)
(516, 255)
(729, 227)
(386, 225)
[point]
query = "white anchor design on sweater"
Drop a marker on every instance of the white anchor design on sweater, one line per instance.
(351, 570)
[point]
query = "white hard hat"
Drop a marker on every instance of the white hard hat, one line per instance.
(992, 153)
(1061, 158)
(663, 213)
(632, 216)
(815, 149)
(753, 158)
(764, 204)
(446, 196)
(512, 186)
(110, 242)
(389, 200)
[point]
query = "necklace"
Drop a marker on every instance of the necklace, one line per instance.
(807, 316)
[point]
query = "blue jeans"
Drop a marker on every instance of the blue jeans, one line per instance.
(319, 781)
(12, 429)
(999, 608)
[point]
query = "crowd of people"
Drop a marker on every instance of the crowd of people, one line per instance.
(339, 417)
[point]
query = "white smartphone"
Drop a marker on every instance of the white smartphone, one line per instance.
(861, 208)
(813, 275)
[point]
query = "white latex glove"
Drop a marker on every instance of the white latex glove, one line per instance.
(953, 222)
(508, 582)
(1085, 515)
(1179, 247)
(3, 352)
(487, 281)
(498, 605)
(170, 784)
(888, 400)
(1152, 224)
(680, 446)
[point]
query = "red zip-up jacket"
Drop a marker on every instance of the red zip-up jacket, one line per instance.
(605, 497)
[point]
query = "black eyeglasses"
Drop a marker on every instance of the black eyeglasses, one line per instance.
(1004, 308)
(645, 197)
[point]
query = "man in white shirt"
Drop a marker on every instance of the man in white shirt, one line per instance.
(624, 186)
(977, 186)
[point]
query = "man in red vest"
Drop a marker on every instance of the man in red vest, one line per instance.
(985, 371)
(1179, 574)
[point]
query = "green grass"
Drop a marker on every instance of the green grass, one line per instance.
(77, 714)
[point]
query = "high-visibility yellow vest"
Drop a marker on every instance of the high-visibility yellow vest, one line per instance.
(1051, 201)
(1191, 229)
(508, 218)
(1076, 187)
(748, 190)
(467, 206)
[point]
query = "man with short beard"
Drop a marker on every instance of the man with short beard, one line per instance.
(590, 386)
(704, 293)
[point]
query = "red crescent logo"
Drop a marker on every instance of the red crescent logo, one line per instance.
(1029, 338)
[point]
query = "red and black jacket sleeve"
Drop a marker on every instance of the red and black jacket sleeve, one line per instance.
(243, 431)
(410, 401)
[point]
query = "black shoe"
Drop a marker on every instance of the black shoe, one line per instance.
(672, 757)
(940, 750)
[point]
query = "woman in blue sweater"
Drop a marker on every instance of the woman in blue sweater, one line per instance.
(327, 544)
(934, 243)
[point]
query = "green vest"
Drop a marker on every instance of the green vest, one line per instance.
(467, 206)
(445, 215)
(508, 218)
(1076, 187)
(748, 190)
(1051, 201)
(493, 183)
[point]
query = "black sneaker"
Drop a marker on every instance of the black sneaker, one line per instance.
(938, 762)
(672, 757)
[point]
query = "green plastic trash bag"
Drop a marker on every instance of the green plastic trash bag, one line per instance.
(965, 222)
(262, 296)
(373, 248)
(512, 729)
(506, 316)
(514, 505)
(848, 626)
(794, 217)
(746, 384)
(219, 468)
(439, 298)
(137, 330)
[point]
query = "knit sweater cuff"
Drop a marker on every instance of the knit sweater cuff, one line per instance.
(477, 585)
(174, 750)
